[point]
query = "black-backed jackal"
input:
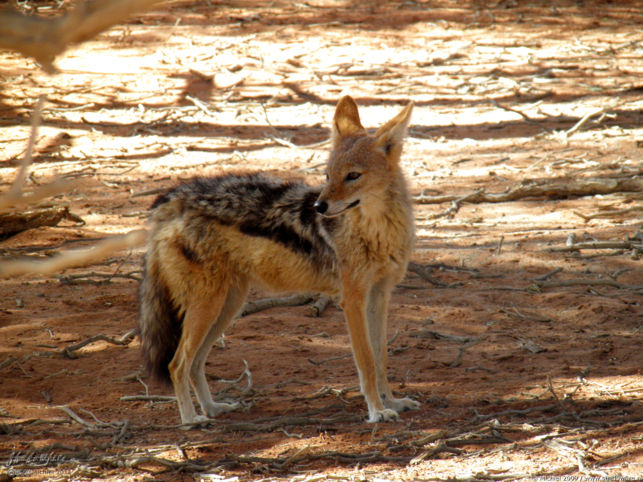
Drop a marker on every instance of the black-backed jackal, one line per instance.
(212, 238)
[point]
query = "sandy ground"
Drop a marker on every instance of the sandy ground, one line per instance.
(526, 357)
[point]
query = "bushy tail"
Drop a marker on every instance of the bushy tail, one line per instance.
(160, 323)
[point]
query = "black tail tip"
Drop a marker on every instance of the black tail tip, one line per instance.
(158, 374)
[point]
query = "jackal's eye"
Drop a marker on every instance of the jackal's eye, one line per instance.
(352, 176)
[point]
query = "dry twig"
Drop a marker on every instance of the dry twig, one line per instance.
(630, 244)
(46, 38)
(587, 282)
(549, 189)
(15, 222)
(73, 258)
(424, 273)
(608, 214)
(126, 339)
(16, 188)
(317, 308)
(254, 306)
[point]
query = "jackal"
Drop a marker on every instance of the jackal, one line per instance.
(212, 238)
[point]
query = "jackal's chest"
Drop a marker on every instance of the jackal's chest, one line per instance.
(380, 246)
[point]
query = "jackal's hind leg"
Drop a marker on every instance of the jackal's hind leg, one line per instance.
(200, 313)
(233, 302)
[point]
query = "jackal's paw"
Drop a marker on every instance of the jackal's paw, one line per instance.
(401, 404)
(214, 409)
(195, 422)
(385, 415)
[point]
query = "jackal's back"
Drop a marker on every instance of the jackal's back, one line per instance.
(258, 206)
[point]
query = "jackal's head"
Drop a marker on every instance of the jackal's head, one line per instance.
(361, 166)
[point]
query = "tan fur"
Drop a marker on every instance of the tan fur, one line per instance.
(207, 247)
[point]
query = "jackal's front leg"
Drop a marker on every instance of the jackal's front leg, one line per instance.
(354, 306)
(376, 315)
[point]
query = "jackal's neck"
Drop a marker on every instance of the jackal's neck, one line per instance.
(385, 216)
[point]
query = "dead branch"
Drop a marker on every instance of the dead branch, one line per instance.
(548, 275)
(279, 463)
(630, 244)
(587, 282)
(121, 434)
(73, 258)
(15, 198)
(434, 335)
(136, 461)
(326, 360)
(608, 214)
(149, 192)
(46, 38)
(527, 315)
(456, 204)
(76, 418)
(522, 114)
(59, 186)
(458, 359)
(122, 341)
(36, 117)
(526, 411)
(584, 119)
(16, 222)
(424, 273)
(148, 398)
(246, 373)
(286, 421)
(317, 308)
(254, 306)
(103, 278)
(590, 186)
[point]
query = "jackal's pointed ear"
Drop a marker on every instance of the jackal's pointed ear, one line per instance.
(391, 135)
(346, 122)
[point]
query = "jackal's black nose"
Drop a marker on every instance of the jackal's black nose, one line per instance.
(321, 206)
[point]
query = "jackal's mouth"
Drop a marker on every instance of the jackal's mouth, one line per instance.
(350, 206)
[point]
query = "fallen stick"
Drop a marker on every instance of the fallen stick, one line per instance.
(545, 276)
(122, 341)
(73, 258)
(326, 360)
(550, 189)
(456, 204)
(12, 223)
(148, 398)
(149, 192)
(45, 38)
(584, 119)
(59, 186)
(246, 373)
(254, 306)
(318, 307)
(525, 411)
(633, 244)
(103, 278)
(36, 117)
(435, 335)
(608, 214)
(423, 272)
(76, 418)
(589, 282)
